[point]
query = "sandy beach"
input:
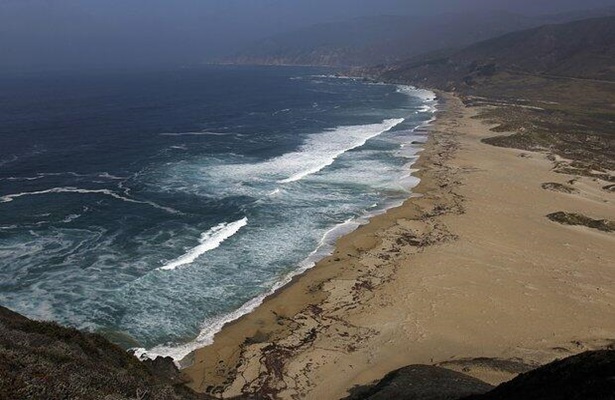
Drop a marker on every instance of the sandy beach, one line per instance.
(469, 274)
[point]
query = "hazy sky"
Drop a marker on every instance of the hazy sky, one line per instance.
(79, 33)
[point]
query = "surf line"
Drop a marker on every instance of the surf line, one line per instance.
(332, 154)
(10, 197)
(210, 240)
(214, 325)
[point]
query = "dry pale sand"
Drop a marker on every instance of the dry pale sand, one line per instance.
(471, 269)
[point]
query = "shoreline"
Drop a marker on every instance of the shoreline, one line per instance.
(340, 246)
(352, 317)
(182, 353)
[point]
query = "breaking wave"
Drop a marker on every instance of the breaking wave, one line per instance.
(210, 240)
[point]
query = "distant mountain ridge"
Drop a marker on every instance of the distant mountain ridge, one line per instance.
(580, 49)
(389, 39)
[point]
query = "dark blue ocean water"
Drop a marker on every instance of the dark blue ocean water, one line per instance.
(155, 206)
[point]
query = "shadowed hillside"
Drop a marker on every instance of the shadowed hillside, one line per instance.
(552, 86)
(580, 49)
(552, 90)
(42, 360)
(587, 376)
(388, 39)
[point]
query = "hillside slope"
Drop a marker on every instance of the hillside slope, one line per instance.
(552, 88)
(42, 360)
(389, 39)
(590, 375)
(587, 376)
(580, 49)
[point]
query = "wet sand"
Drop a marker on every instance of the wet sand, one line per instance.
(471, 275)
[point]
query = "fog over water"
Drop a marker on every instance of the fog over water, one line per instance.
(74, 34)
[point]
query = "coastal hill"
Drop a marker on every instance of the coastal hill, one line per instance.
(585, 376)
(548, 90)
(554, 86)
(375, 40)
(388, 39)
(579, 49)
(43, 360)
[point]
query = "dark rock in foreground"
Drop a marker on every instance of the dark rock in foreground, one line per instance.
(421, 382)
(42, 360)
(587, 376)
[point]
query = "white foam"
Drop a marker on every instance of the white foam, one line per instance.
(109, 176)
(286, 110)
(319, 151)
(428, 97)
(71, 218)
(25, 178)
(330, 76)
(427, 109)
(210, 240)
(10, 197)
(8, 160)
(70, 173)
(423, 94)
(197, 134)
(205, 337)
(324, 149)
(214, 325)
(44, 175)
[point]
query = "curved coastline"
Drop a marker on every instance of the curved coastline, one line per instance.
(183, 354)
(324, 257)
(435, 281)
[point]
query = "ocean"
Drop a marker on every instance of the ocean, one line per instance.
(155, 206)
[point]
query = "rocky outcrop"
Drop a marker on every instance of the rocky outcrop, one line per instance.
(587, 376)
(165, 368)
(421, 382)
(580, 49)
(43, 360)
